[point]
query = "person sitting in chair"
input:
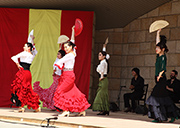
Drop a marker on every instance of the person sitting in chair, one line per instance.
(173, 87)
(137, 84)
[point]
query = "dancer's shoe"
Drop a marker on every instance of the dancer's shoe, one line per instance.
(83, 113)
(64, 114)
(173, 119)
(156, 121)
(104, 113)
(20, 110)
(128, 110)
(38, 110)
(100, 113)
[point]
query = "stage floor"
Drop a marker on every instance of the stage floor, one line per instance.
(114, 120)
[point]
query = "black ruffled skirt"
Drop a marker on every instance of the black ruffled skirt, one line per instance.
(161, 108)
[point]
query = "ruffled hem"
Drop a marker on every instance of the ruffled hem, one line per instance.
(46, 95)
(36, 87)
(22, 87)
(101, 102)
(71, 104)
(38, 90)
(161, 108)
(159, 101)
(67, 96)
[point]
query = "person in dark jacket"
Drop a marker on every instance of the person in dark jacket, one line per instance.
(173, 87)
(137, 84)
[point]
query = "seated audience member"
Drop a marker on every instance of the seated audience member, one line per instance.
(173, 86)
(137, 84)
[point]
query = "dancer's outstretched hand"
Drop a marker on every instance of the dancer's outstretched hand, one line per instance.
(32, 38)
(73, 27)
(107, 40)
(159, 31)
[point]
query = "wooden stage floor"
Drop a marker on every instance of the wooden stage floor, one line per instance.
(91, 120)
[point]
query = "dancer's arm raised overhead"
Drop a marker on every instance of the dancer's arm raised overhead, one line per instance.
(73, 39)
(34, 51)
(158, 36)
(60, 46)
(104, 45)
(73, 35)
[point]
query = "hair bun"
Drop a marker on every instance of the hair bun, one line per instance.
(107, 56)
(163, 39)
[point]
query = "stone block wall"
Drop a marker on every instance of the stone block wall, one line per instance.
(133, 46)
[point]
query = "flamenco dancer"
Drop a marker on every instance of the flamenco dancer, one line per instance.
(21, 86)
(67, 96)
(46, 95)
(160, 105)
(101, 102)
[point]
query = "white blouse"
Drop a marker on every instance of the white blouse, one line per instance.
(58, 71)
(68, 60)
(25, 57)
(102, 68)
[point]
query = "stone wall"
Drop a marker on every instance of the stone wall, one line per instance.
(133, 46)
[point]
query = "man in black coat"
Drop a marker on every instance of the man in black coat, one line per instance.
(173, 86)
(137, 84)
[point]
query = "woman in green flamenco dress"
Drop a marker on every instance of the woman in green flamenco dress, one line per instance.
(101, 102)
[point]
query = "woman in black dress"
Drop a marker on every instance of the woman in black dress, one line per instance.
(160, 105)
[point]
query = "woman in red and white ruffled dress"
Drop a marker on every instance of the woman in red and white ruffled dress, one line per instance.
(21, 86)
(46, 95)
(67, 96)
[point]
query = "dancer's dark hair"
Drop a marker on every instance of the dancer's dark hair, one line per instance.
(104, 54)
(70, 44)
(162, 43)
(29, 45)
(62, 52)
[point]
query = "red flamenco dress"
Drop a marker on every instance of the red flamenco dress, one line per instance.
(46, 95)
(67, 96)
(21, 86)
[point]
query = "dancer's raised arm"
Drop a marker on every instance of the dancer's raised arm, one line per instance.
(104, 45)
(158, 36)
(34, 51)
(73, 35)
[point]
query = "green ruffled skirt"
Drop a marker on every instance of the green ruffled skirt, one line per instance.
(101, 102)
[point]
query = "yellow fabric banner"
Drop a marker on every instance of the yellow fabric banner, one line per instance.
(46, 25)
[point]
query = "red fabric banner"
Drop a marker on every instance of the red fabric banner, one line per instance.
(13, 36)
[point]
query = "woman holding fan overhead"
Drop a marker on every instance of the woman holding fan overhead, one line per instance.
(67, 96)
(160, 105)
